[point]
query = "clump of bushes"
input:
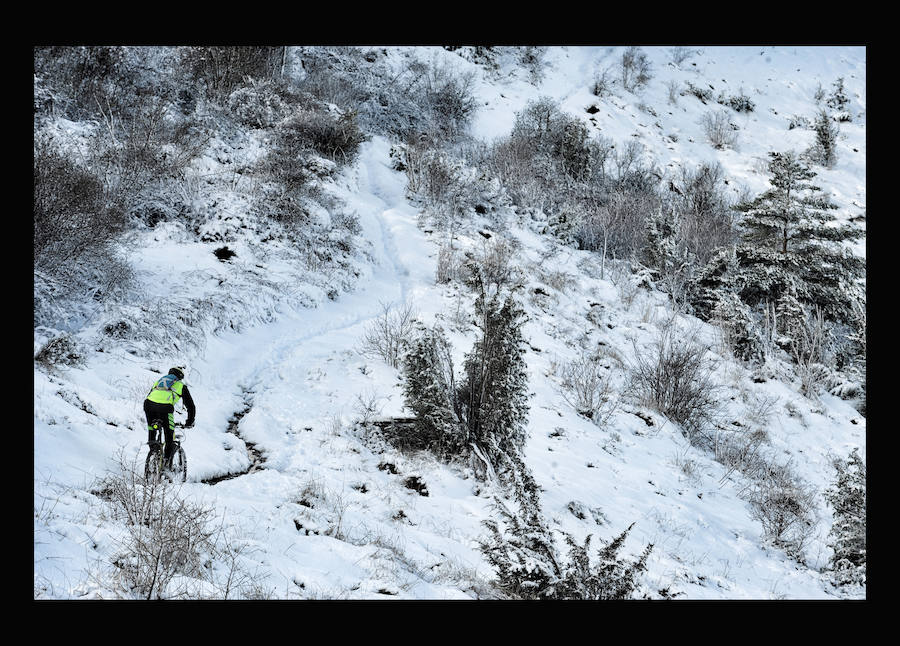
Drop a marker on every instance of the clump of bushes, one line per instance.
(739, 102)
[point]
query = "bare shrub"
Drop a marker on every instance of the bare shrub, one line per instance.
(336, 137)
(603, 84)
(448, 264)
(258, 104)
(675, 377)
(636, 69)
(223, 68)
(587, 386)
(719, 130)
(681, 54)
(172, 547)
(492, 267)
(808, 350)
(71, 215)
(785, 506)
(386, 335)
(674, 89)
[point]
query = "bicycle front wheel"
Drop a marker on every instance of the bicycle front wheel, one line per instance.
(179, 466)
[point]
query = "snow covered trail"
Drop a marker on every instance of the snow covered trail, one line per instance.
(279, 366)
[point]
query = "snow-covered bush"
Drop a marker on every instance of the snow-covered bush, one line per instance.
(703, 94)
(171, 547)
(847, 496)
(221, 69)
(522, 551)
(61, 350)
(336, 137)
(739, 102)
(71, 217)
(257, 105)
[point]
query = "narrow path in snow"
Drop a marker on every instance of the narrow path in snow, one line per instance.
(278, 369)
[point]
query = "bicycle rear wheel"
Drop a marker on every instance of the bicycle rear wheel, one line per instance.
(153, 464)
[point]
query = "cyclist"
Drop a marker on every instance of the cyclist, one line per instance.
(160, 404)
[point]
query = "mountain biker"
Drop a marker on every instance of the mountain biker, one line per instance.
(160, 404)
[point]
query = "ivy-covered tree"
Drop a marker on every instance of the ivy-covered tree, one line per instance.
(847, 496)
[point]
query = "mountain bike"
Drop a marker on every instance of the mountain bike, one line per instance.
(155, 468)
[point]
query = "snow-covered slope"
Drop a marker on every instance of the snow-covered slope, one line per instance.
(330, 515)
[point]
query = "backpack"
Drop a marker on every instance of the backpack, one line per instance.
(165, 384)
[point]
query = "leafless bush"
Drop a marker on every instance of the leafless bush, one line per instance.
(681, 54)
(258, 104)
(71, 215)
(166, 534)
(674, 90)
(785, 506)
(740, 449)
(636, 69)
(588, 387)
(386, 335)
(336, 137)
(675, 377)
(718, 129)
(603, 83)
(223, 68)
(493, 267)
(448, 264)
(808, 350)
(170, 538)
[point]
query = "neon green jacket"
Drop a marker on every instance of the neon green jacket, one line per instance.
(169, 390)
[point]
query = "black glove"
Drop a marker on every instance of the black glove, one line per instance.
(189, 425)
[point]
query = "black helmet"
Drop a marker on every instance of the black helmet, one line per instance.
(178, 372)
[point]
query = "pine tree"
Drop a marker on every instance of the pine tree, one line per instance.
(847, 496)
(824, 151)
(790, 240)
(838, 101)
(494, 393)
(429, 390)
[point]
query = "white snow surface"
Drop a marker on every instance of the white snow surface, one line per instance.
(300, 371)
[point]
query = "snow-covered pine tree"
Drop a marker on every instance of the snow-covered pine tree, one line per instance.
(839, 102)
(824, 151)
(789, 237)
(847, 496)
(494, 392)
(741, 332)
(430, 392)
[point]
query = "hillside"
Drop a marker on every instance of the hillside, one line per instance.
(308, 501)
